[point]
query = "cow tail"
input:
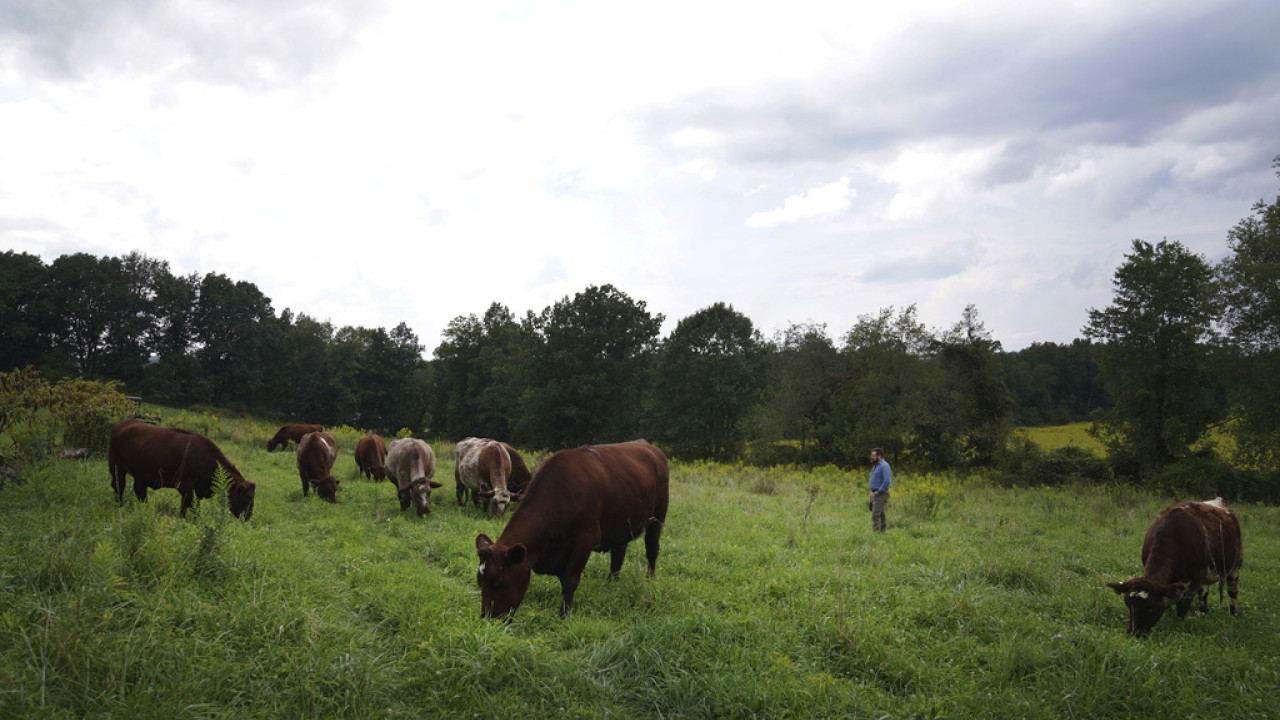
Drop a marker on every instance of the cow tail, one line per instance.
(1222, 574)
(182, 467)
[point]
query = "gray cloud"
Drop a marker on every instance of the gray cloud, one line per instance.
(258, 45)
(1125, 85)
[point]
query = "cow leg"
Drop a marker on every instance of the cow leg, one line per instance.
(1233, 589)
(139, 488)
(616, 556)
(568, 586)
(1204, 601)
(117, 483)
(572, 573)
(305, 487)
(1184, 603)
(651, 537)
(188, 499)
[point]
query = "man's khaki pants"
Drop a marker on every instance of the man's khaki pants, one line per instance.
(878, 501)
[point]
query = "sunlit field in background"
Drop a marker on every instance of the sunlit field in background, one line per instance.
(1059, 436)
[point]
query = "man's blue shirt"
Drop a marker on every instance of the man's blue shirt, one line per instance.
(881, 475)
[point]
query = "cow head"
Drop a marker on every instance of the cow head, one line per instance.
(498, 500)
(379, 473)
(240, 499)
(503, 577)
(326, 488)
(417, 492)
(1147, 601)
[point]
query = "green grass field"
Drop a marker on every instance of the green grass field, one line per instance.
(1060, 436)
(772, 599)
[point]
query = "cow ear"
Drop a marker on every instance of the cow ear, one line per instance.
(314, 482)
(337, 481)
(483, 542)
(515, 554)
(1119, 587)
(517, 496)
(435, 484)
(485, 493)
(1174, 591)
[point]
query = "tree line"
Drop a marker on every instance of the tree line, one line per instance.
(1183, 358)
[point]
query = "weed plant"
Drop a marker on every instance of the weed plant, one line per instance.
(772, 599)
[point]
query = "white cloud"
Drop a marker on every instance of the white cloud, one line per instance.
(335, 147)
(817, 203)
(930, 180)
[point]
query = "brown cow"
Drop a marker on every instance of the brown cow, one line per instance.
(317, 452)
(518, 480)
(289, 433)
(1189, 546)
(371, 455)
(411, 465)
(482, 468)
(159, 457)
(598, 497)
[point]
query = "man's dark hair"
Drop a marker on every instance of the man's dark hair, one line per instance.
(877, 451)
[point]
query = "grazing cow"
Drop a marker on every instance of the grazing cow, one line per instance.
(411, 465)
(483, 468)
(291, 433)
(598, 497)
(159, 457)
(1189, 546)
(518, 480)
(371, 454)
(317, 452)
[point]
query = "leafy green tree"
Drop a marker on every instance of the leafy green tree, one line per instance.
(171, 338)
(804, 370)
(86, 296)
(589, 357)
(479, 375)
(881, 401)
(22, 277)
(709, 374)
(979, 404)
(1153, 356)
(237, 336)
(1250, 280)
(371, 379)
(1054, 383)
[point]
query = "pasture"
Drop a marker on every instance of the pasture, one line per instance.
(1054, 437)
(772, 599)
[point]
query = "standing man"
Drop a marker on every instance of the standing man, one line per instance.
(880, 478)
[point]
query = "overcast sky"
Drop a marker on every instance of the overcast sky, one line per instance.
(376, 162)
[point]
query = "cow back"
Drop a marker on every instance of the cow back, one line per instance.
(166, 457)
(619, 489)
(410, 459)
(317, 451)
(1189, 538)
(370, 455)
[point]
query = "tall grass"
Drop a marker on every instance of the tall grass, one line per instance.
(772, 599)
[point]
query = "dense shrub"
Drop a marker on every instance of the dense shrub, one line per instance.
(36, 417)
(87, 411)
(1204, 475)
(1025, 463)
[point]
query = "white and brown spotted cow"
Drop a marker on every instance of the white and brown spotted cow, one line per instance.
(482, 467)
(1190, 546)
